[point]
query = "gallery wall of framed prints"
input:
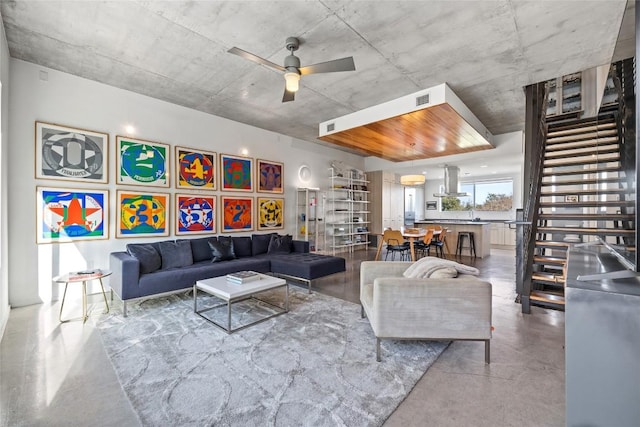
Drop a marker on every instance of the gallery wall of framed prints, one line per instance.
(203, 201)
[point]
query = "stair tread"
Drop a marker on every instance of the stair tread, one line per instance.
(585, 143)
(600, 126)
(594, 217)
(584, 181)
(585, 192)
(587, 159)
(549, 259)
(586, 230)
(553, 138)
(582, 171)
(548, 277)
(587, 203)
(582, 151)
(552, 244)
(547, 297)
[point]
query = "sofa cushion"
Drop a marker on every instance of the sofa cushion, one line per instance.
(147, 256)
(305, 265)
(222, 249)
(260, 243)
(280, 244)
(242, 246)
(426, 266)
(200, 249)
(175, 254)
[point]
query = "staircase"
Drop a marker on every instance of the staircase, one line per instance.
(583, 193)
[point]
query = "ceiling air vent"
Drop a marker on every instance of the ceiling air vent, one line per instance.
(331, 127)
(421, 100)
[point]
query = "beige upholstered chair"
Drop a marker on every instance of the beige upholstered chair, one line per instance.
(424, 309)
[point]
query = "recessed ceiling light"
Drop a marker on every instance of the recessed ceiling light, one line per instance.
(484, 166)
(467, 173)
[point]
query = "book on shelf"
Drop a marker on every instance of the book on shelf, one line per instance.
(241, 277)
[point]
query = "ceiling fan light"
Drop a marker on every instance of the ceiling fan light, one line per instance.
(292, 81)
(412, 179)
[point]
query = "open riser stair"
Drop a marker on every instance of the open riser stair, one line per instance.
(583, 193)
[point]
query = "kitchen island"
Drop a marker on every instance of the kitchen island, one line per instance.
(481, 230)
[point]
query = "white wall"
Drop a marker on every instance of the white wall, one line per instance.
(68, 100)
(4, 138)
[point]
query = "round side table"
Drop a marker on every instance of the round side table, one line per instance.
(82, 277)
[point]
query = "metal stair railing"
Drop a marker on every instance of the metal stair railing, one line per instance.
(535, 140)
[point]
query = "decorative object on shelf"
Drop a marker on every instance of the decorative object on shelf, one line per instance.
(237, 213)
(308, 227)
(71, 154)
(195, 214)
(270, 176)
(236, 173)
(142, 214)
(572, 198)
(195, 169)
(270, 213)
(412, 179)
(142, 162)
(65, 215)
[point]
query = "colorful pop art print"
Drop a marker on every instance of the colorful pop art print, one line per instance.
(71, 154)
(270, 176)
(66, 215)
(142, 214)
(142, 162)
(237, 213)
(195, 214)
(236, 173)
(195, 169)
(270, 213)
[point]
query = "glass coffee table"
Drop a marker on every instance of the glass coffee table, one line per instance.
(232, 293)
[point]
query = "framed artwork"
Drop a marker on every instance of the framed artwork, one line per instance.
(236, 173)
(66, 215)
(195, 169)
(142, 162)
(270, 213)
(269, 176)
(71, 154)
(195, 214)
(237, 213)
(142, 214)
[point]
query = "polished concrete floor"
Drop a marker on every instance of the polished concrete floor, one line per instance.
(54, 374)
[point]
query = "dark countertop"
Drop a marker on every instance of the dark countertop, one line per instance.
(451, 221)
(594, 260)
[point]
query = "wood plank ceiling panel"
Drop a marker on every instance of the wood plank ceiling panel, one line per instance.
(431, 132)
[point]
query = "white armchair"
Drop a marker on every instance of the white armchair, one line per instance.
(422, 309)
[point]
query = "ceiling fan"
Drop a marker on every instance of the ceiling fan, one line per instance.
(292, 70)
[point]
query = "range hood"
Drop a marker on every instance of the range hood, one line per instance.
(451, 183)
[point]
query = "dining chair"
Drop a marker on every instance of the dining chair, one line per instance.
(424, 245)
(440, 242)
(395, 244)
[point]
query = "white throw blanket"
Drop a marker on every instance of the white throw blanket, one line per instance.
(428, 265)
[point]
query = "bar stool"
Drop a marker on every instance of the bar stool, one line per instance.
(460, 242)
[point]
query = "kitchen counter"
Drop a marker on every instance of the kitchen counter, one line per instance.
(453, 221)
(481, 233)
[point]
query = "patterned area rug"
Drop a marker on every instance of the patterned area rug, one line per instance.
(313, 366)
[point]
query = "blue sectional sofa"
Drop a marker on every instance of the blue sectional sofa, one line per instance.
(158, 268)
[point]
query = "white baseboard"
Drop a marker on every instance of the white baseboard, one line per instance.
(3, 321)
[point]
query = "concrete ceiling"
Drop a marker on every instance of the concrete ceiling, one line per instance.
(487, 51)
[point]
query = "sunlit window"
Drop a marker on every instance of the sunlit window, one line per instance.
(482, 196)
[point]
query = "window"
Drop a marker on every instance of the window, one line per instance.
(483, 196)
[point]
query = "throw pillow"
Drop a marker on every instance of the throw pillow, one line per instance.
(260, 243)
(146, 255)
(222, 249)
(426, 266)
(200, 249)
(242, 246)
(175, 254)
(280, 244)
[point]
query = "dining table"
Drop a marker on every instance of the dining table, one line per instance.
(411, 234)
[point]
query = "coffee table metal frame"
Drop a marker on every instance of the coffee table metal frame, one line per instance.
(232, 293)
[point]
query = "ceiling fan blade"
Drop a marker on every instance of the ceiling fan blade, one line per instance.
(255, 58)
(288, 96)
(343, 64)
